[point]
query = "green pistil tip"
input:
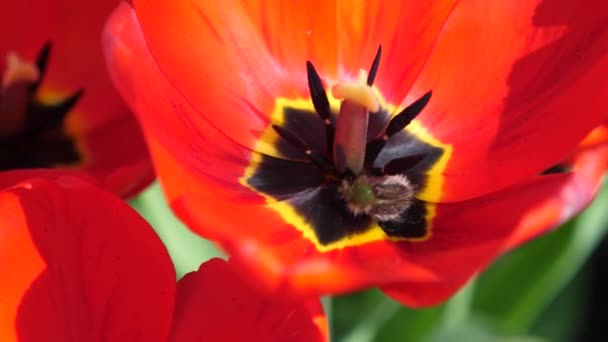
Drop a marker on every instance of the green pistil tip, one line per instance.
(361, 194)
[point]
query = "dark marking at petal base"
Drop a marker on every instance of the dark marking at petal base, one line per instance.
(330, 134)
(557, 168)
(281, 178)
(327, 214)
(401, 165)
(41, 151)
(395, 125)
(42, 142)
(41, 117)
(411, 225)
(406, 145)
(401, 146)
(291, 138)
(306, 126)
(372, 150)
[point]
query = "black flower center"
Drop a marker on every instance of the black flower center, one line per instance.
(32, 133)
(340, 188)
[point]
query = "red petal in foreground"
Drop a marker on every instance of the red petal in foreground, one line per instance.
(97, 135)
(79, 264)
(217, 303)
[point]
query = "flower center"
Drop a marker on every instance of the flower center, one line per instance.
(32, 132)
(350, 156)
(383, 198)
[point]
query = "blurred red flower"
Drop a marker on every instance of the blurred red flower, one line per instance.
(58, 108)
(494, 96)
(78, 264)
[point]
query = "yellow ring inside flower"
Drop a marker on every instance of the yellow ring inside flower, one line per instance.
(430, 193)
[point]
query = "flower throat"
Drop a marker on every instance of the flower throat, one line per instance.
(32, 133)
(350, 154)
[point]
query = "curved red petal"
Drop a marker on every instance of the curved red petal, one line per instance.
(242, 55)
(216, 303)
(116, 155)
(10, 178)
(17, 276)
(79, 263)
(107, 133)
(589, 164)
(515, 216)
(516, 85)
(177, 135)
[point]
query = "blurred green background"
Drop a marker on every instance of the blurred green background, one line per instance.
(542, 291)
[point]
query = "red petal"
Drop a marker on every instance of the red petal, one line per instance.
(241, 56)
(216, 303)
(107, 132)
(169, 120)
(590, 165)
(504, 220)
(79, 264)
(119, 157)
(516, 85)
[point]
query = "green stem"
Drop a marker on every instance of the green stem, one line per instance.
(457, 310)
(369, 325)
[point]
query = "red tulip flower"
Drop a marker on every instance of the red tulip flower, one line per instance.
(78, 264)
(58, 108)
(336, 145)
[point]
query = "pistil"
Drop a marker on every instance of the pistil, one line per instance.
(16, 81)
(358, 101)
(383, 193)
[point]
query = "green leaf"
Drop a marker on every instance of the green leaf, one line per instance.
(357, 317)
(187, 250)
(412, 325)
(519, 287)
(475, 331)
(563, 319)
